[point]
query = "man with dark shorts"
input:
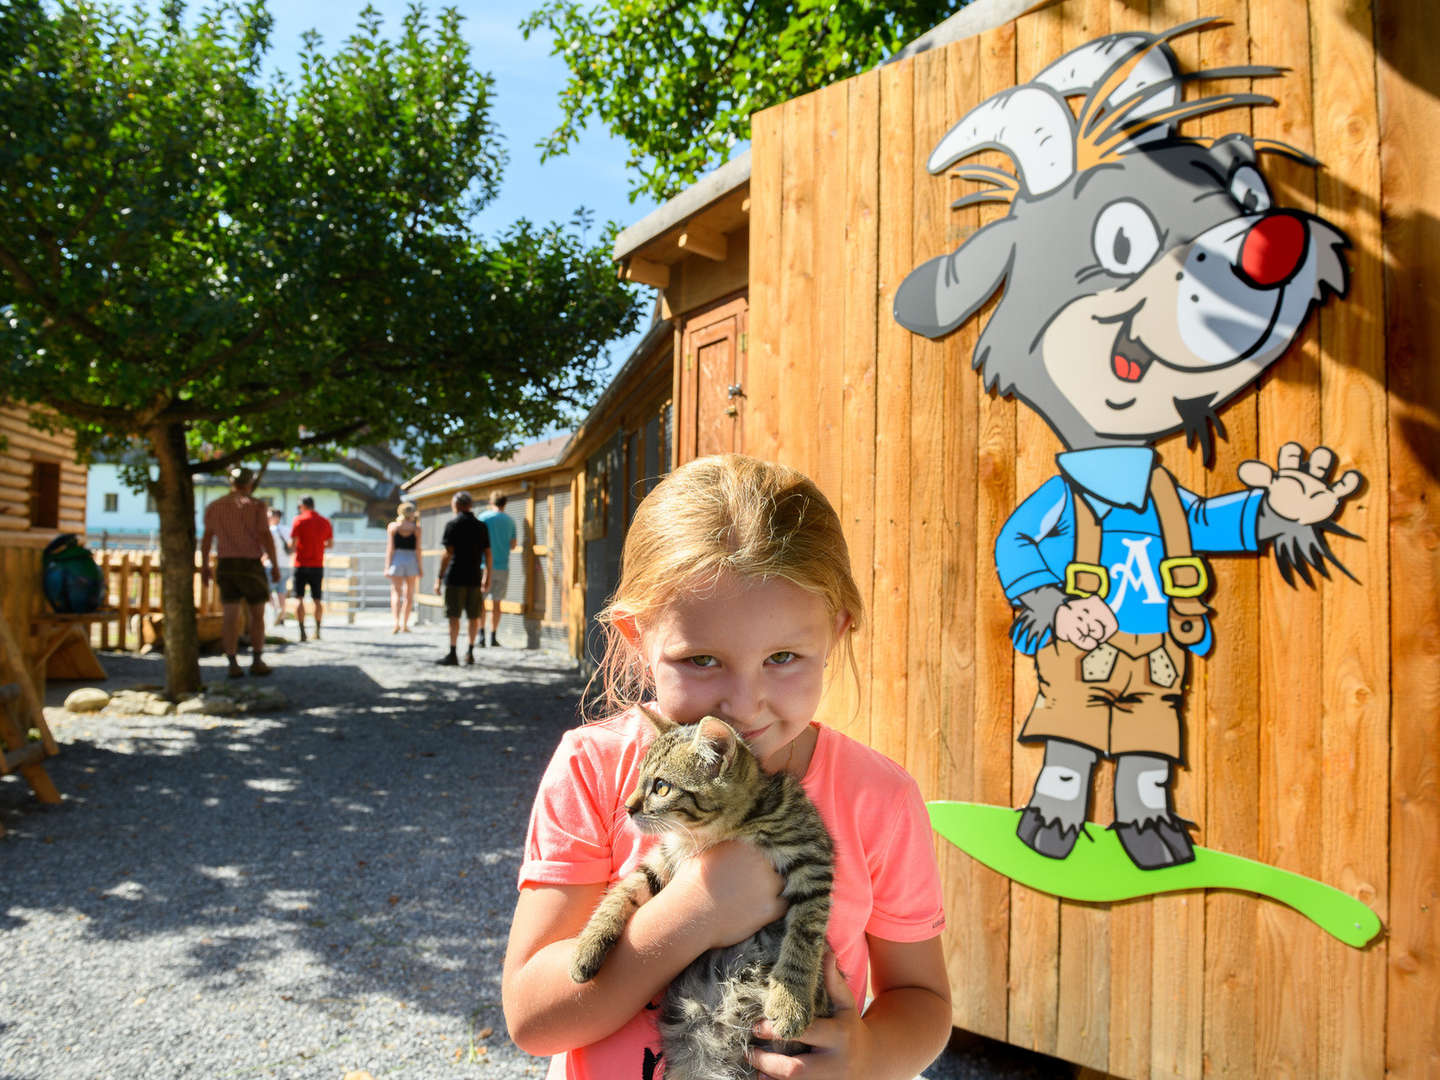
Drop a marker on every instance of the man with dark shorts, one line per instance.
(310, 535)
(236, 524)
(464, 574)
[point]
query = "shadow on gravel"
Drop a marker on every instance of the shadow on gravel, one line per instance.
(362, 845)
(375, 832)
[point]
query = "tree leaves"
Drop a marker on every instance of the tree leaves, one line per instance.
(262, 262)
(679, 80)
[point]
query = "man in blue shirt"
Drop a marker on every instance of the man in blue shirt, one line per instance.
(501, 527)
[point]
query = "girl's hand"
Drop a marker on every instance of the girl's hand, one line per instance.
(841, 1045)
(735, 891)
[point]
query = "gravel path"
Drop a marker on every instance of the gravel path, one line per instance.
(301, 894)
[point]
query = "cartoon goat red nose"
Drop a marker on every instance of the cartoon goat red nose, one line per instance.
(1273, 250)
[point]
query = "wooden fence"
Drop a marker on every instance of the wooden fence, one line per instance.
(133, 590)
(1313, 730)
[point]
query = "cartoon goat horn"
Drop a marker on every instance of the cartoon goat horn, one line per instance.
(1079, 70)
(1030, 123)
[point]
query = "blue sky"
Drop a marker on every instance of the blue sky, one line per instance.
(527, 90)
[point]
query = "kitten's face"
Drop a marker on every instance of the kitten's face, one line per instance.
(688, 778)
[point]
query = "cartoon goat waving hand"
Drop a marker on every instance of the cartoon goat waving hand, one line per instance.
(1147, 279)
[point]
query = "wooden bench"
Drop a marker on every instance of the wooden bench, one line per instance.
(60, 648)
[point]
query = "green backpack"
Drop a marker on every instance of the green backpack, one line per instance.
(71, 580)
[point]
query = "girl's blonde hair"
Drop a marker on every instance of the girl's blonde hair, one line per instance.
(404, 512)
(715, 515)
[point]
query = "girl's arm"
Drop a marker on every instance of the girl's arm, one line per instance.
(389, 544)
(719, 897)
(904, 1029)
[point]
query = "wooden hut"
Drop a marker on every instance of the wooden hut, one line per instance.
(1312, 729)
(536, 484)
(695, 251)
(42, 494)
(619, 452)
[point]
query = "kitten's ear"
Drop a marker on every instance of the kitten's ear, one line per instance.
(718, 741)
(658, 722)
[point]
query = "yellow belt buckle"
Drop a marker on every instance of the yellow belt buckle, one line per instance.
(1073, 586)
(1181, 562)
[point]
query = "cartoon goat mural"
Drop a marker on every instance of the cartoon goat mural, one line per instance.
(1146, 278)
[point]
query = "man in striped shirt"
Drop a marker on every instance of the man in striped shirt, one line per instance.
(236, 524)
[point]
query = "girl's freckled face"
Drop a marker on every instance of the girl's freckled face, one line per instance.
(750, 652)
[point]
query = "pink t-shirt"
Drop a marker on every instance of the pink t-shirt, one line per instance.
(886, 880)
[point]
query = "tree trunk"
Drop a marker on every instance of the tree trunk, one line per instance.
(175, 501)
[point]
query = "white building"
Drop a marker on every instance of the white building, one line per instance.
(358, 493)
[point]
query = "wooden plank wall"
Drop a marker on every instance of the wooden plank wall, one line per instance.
(21, 594)
(1313, 727)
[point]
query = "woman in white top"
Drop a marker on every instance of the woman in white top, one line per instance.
(282, 548)
(402, 565)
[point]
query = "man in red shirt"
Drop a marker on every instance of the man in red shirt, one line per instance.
(310, 535)
(236, 525)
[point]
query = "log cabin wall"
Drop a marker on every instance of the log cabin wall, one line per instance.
(1313, 727)
(42, 489)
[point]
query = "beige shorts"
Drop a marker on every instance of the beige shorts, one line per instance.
(499, 582)
(1119, 698)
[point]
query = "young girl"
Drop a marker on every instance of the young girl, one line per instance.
(402, 564)
(735, 591)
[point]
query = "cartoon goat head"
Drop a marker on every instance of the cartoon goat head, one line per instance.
(1147, 277)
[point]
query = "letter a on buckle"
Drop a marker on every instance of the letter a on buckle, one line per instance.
(1086, 579)
(1191, 569)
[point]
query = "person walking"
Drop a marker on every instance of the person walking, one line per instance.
(464, 574)
(282, 548)
(501, 527)
(310, 535)
(402, 564)
(235, 526)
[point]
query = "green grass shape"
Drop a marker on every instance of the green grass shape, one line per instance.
(1098, 871)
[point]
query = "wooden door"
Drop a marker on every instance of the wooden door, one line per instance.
(712, 381)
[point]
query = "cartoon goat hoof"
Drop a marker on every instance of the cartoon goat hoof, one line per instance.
(1153, 844)
(1051, 839)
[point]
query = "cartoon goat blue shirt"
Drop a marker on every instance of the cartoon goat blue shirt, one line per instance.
(1037, 542)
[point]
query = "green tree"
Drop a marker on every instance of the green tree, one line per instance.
(215, 266)
(678, 80)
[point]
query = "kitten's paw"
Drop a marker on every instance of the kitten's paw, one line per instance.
(787, 1013)
(589, 955)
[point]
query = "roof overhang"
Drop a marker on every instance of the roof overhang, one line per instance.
(693, 201)
(713, 203)
(974, 18)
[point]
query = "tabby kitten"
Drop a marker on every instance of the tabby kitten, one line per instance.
(700, 785)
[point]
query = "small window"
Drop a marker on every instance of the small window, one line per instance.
(112, 502)
(45, 495)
